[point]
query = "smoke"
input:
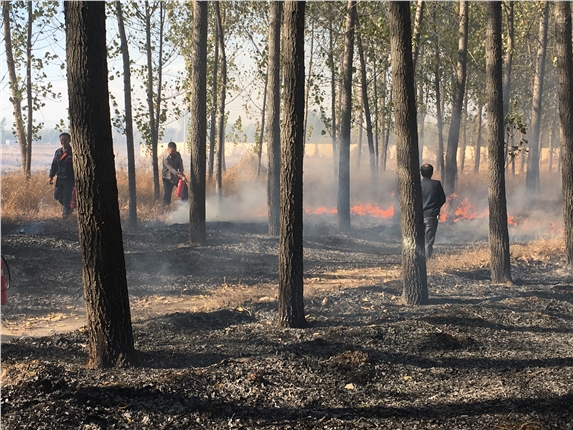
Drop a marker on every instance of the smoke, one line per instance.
(248, 204)
(528, 218)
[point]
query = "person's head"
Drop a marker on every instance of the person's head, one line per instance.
(427, 170)
(65, 139)
(171, 148)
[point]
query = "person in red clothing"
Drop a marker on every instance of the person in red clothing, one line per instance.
(433, 198)
(63, 168)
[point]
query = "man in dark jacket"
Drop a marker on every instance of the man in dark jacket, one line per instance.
(172, 172)
(63, 168)
(433, 198)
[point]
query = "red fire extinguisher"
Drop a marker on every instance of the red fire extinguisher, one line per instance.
(73, 201)
(5, 281)
(180, 188)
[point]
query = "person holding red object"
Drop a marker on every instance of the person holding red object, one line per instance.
(172, 172)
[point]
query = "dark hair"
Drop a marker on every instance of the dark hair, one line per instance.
(172, 145)
(427, 170)
(66, 134)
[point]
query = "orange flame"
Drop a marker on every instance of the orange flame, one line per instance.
(373, 211)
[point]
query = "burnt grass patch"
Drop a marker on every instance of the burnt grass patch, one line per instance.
(479, 356)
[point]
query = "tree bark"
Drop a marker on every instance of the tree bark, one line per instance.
(415, 287)
(458, 103)
(477, 155)
(291, 295)
(128, 117)
(103, 264)
(498, 232)
(565, 78)
(532, 181)
(368, 119)
(30, 131)
(343, 206)
(213, 127)
(333, 99)
(16, 92)
(273, 115)
(417, 33)
(508, 59)
(222, 97)
(198, 132)
(150, 106)
(439, 115)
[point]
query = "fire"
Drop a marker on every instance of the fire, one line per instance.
(511, 220)
(320, 211)
(373, 211)
(365, 209)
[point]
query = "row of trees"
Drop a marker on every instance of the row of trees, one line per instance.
(403, 89)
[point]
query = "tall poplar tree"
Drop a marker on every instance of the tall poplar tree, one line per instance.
(343, 206)
(198, 129)
(498, 231)
(273, 118)
(110, 334)
(565, 76)
(291, 297)
(415, 285)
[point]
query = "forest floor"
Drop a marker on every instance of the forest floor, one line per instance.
(211, 355)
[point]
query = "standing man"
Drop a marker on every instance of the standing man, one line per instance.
(433, 198)
(172, 172)
(63, 168)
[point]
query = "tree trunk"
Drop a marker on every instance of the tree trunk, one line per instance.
(498, 232)
(464, 132)
(30, 119)
(360, 129)
(103, 263)
(150, 106)
(458, 103)
(421, 117)
(222, 97)
(128, 117)
(333, 99)
(16, 91)
(367, 117)
(440, 118)
(415, 288)
(198, 132)
(343, 206)
(262, 132)
(477, 155)
(273, 115)
(291, 295)
(417, 27)
(213, 133)
(551, 145)
(532, 181)
(309, 82)
(565, 77)
(376, 115)
(508, 59)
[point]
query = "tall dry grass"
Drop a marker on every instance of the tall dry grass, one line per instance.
(32, 199)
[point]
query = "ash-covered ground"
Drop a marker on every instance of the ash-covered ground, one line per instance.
(210, 353)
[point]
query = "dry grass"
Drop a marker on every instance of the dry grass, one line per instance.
(477, 256)
(32, 199)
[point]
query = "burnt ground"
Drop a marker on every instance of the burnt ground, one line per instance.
(210, 354)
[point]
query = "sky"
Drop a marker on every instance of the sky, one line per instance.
(56, 110)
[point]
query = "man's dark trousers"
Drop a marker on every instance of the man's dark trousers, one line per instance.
(431, 224)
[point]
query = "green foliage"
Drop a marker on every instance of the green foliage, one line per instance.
(236, 134)
(47, 31)
(514, 125)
